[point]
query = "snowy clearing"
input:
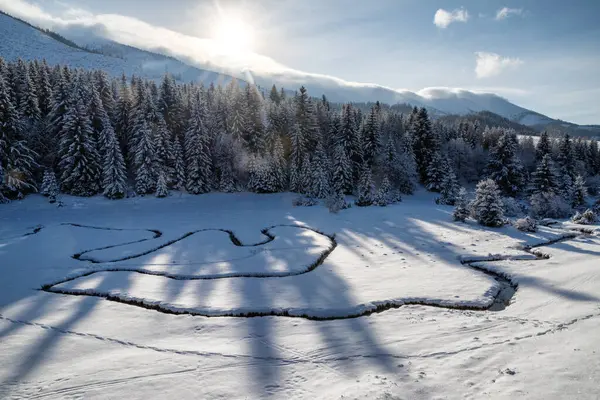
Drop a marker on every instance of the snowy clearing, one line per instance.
(85, 335)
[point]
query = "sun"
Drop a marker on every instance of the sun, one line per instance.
(233, 35)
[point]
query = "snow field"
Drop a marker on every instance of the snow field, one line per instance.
(61, 346)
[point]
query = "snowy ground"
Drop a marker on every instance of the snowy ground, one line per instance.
(246, 255)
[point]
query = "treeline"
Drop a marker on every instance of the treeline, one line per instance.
(83, 133)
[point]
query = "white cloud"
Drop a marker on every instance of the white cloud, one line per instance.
(443, 18)
(492, 64)
(505, 12)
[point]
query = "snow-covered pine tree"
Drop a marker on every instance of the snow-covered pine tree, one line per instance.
(543, 147)
(487, 206)
(385, 195)
(144, 159)
(297, 153)
(461, 211)
(44, 89)
(28, 106)
(124, 119)
(425, 144)
(114, 173)
(436, 170)
(197, 141)
(350, 139)
(336, 201)
(255, 117)
(366, 188)
(567, 166)
(79, 160)
(306, 175)
(99, 119)
(258, 181)
(370, 138)
(544, 178)
(50, 187)
(162, 189)
(164, 150)
(179, 179)
(61, 96)
(170, 104)
(319, 187)
(449, 188)
(236, 113)
(306, 120)
(16, 159)
(504, 167)
(579, 192)
(104, 88)
(279, 166)
(342, 170)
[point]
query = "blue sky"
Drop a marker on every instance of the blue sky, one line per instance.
(544, 55)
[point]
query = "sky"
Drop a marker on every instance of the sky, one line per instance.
(540, 54)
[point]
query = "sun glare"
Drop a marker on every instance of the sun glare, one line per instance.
(233, 35)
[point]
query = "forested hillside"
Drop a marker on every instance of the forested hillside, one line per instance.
(84, 133)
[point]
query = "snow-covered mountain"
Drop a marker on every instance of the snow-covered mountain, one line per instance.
(92, 50)
(21, 40)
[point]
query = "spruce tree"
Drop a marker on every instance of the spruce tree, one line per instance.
(504, 167)
(197, 158)
(579, 192)
(543, 147)
(164, 150)
(487, 206)
(544, 178)
(279, 166)
(297, 153)
(162, 189)
(426, 143)
(144, 159)
(365, 188)
(567, 165)
(436, 170)
(385, 194)
(371, 138)
(16, 159)
(179, 179)
(50, 187)
(124, 119)
(449, 188)
(306, 175)
(114, 173)
(461, 211)
(79, 160)
(319, 187)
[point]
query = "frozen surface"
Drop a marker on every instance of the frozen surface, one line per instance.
(543, 345)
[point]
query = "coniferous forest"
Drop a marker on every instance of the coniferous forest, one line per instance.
(84, 133)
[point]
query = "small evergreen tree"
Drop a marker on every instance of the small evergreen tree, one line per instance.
(579, 192)
(50, 187)
(543, 147)
(162, 189)
(436, 171)
(319, 187)
(544, 177)
(385, 195)
(114, 174)
(179, 165)
(365, 188)
(461, 211)
(504, 167)
(449, 188)
(487, 206)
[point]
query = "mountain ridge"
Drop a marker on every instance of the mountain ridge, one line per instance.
(24, 40)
